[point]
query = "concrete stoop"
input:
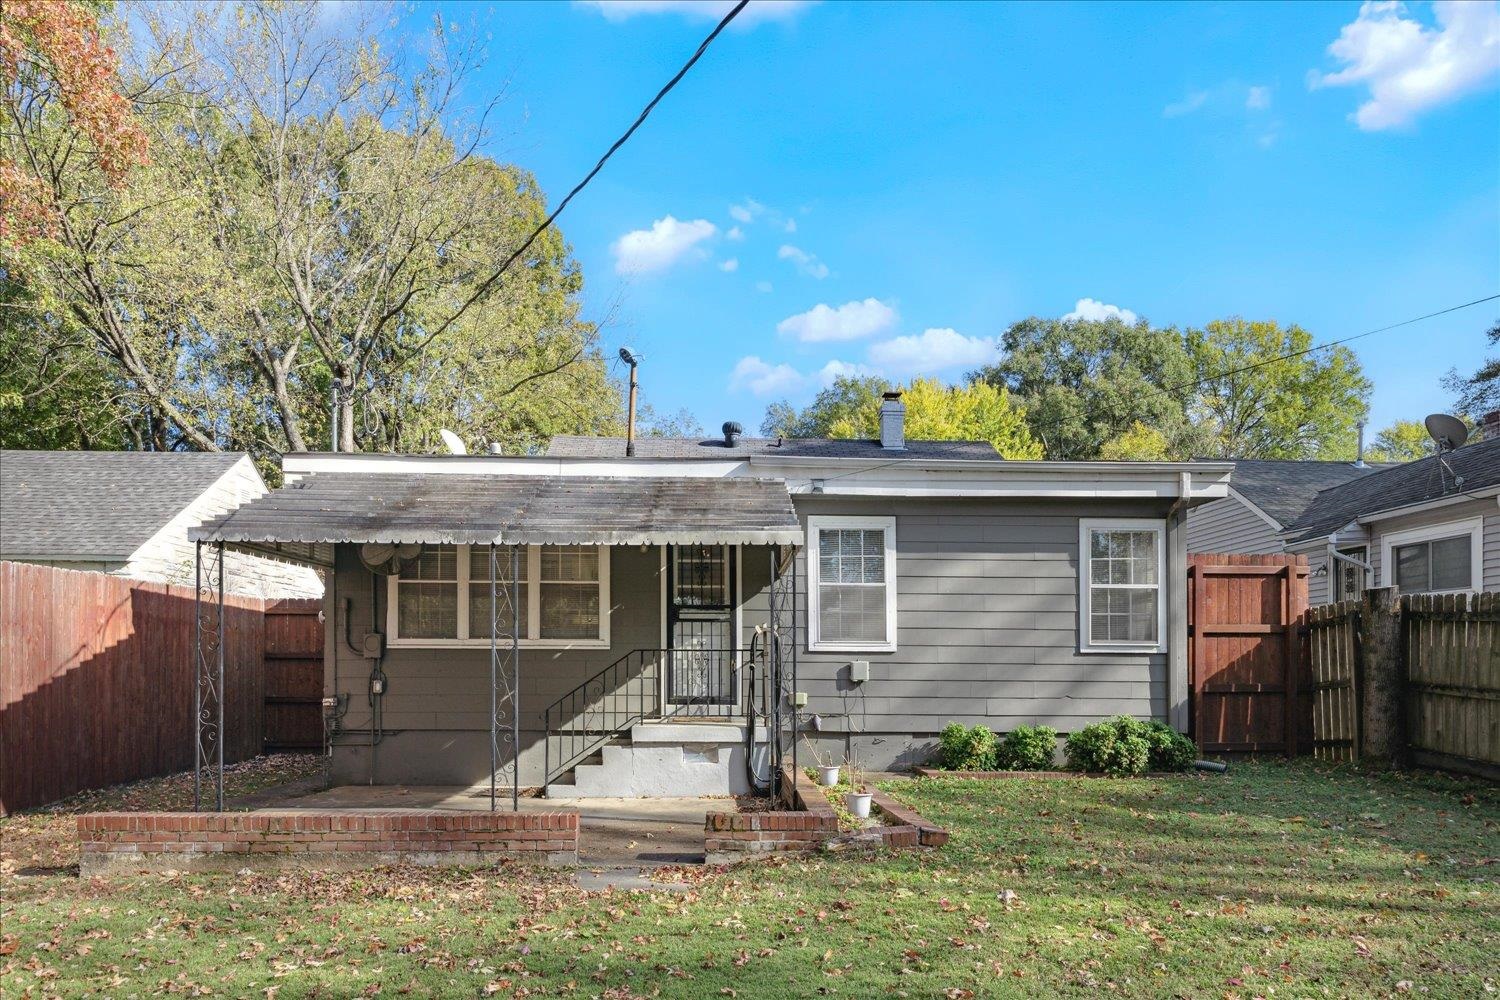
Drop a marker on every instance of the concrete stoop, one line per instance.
(665, 760)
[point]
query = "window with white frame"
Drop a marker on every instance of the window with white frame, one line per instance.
(852, 583)
(1121, 572)
(1441, 558)
(442, 598)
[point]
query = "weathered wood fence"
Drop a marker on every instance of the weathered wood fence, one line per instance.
(1414, 678)
(294, 675)
(97, 677)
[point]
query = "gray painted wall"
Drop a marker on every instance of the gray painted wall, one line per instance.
(987, 605)
(1487, 508)
(1229, 526)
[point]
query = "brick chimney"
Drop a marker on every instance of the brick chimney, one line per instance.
(1489, 426)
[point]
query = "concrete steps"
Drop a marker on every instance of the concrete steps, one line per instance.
(664, 760)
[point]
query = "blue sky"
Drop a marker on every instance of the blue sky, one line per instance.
(887, 187)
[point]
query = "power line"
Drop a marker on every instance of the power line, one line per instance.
(1318, 347)
(640, 120)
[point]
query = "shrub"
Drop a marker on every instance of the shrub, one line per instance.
(1027, 748)
(962, 749)
(1170, 750)
(1118, 746)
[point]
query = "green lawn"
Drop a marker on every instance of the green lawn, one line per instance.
(1273, 880)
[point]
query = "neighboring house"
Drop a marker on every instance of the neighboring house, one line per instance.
(1265, 498)
(1429, 526)
(934, 582)
(128, 513)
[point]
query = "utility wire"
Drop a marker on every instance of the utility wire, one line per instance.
(1246, 368)
(640, 120)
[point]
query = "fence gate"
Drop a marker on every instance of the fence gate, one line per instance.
(1245, 655)
(1334, 659)
(294, 676)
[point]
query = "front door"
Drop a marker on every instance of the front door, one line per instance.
(700, 628)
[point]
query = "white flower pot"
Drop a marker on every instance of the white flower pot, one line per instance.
(828, 776)
(858, 803)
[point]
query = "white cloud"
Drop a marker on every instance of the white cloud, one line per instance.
(1192, 102)
(836, 369)
(698, 10)
(1258, 98)
(666, 242)
(1409, 67)
(791, 225)
(735, 234)
(764, 287)
(850, 321)
(764, 379)
(932, 350)
(747, 212)
(730, 265)
(806, 263)
(1093, 309)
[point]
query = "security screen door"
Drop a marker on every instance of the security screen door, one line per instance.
(700, 620)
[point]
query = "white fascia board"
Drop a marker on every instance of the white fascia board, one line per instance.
(1011, 480)
(1417, 508)
(301, 464)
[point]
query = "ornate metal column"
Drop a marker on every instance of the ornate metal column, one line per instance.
(782, 721)
(505, 669)
(208, 687)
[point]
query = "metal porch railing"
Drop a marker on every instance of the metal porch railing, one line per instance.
(643, 684)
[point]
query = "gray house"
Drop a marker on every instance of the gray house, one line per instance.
(655, 615)
(128, 513)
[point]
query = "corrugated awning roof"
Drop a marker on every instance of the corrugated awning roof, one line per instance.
(449, 508)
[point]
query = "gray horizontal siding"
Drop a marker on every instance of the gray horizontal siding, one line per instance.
(1486, 508)
(1228, 525)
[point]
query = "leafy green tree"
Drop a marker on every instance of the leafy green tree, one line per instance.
(1085, 382)
(1138, 443)
(681, 424)
(1300, 407)
(1402, 441)
(779, 420)
(1479, 393)
(850, 404)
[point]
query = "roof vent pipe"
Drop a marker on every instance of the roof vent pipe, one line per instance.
(1359, 458)
(892, 422)
(732, 431)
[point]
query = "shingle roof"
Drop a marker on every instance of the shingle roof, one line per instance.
(1401, 486)
(577, 446)
(466, 509)
(97, 503)
(1284, 489)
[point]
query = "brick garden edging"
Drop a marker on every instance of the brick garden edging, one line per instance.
(811, 826)
(332, 839)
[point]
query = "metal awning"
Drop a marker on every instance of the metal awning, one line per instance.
(460, 509)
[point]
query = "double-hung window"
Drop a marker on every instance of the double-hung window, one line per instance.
(442, 597)
(852, 583)
(1122, 568)
(1443, 558)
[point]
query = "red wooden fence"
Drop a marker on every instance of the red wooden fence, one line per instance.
(97, 676)
(1246, 658)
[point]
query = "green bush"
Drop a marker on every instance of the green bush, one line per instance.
(1027, 748)
(1119, 746)
(1170, 750)
(963, 749)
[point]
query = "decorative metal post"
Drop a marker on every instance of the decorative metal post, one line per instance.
(782, 649)
(505, 671)
(208, 662)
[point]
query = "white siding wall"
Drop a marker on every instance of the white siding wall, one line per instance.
(167, 557)
(1229, 526)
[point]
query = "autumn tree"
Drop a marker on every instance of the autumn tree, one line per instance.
(1263, 391)
(1402, 441)
(1137, 443)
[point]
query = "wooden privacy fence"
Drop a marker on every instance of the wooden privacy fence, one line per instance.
(1245, 655)
(1408, 678)
(294, 675)
(97, 677)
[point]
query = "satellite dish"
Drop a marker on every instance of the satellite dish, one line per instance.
(385, 558)
(1449, 432)
(454, 443)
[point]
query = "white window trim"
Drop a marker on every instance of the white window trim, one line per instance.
(533, 558)
(828, 522)
(1471, 526)
(1085, 592)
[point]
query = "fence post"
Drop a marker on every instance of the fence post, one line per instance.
(1382, 688)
